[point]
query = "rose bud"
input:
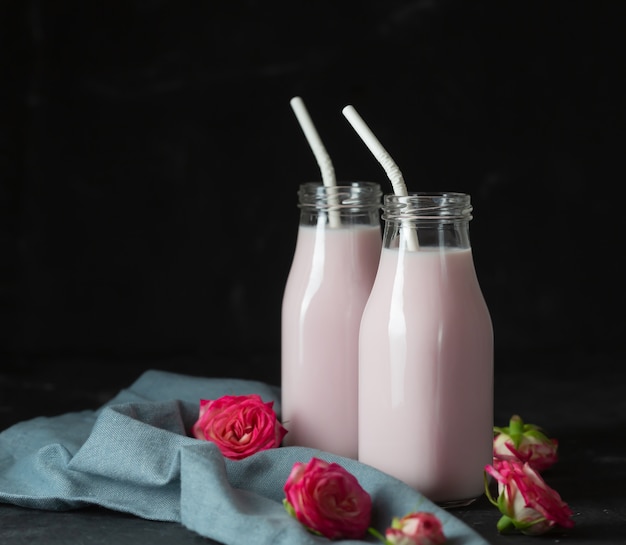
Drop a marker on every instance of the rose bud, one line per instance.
(239, 425)
(525, 500)
(525, 443)
(327, 500)
(415, 529)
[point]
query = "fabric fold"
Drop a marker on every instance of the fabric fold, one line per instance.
(135, 455)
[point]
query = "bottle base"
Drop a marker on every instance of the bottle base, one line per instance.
(455, 504)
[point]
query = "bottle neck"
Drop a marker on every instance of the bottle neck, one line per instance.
(427, 221)
(343, 205)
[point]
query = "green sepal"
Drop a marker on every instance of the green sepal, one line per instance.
(521, 526)
(502, 504)
(504, 523)
(378, 535)
(537, 433)
(289, 508)
(516, 430)
(487, 491)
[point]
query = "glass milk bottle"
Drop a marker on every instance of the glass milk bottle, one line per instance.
(426, 353)
(336, 256)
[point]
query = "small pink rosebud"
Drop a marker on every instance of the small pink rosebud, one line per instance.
(419, 528)
(525, 443)
(328, 500)
(239, 425)
(525, 500)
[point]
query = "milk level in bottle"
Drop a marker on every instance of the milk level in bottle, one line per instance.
(336, 256)
(426, 353)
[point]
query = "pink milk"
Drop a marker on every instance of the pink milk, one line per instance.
(426, 367)
(328, 285)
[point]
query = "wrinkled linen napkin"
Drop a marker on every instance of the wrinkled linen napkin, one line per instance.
(135, 455)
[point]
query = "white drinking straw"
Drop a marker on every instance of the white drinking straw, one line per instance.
(321, 155)
(383, 157)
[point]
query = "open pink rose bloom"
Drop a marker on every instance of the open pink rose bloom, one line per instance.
(239, 425)
(328, 500)
(419, 528)
(525, 443)
(525, 500)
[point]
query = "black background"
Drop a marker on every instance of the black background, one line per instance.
(149, 163)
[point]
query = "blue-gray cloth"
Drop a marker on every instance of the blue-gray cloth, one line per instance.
(135, 455)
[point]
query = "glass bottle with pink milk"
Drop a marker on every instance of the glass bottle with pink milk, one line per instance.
(426, 353)
(334, 265)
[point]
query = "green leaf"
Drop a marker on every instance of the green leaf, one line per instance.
(289, 508)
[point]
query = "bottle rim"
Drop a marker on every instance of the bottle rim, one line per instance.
(353, 194)
(424, 205)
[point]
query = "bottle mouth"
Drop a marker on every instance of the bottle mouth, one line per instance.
(424, 206)
(344, 195)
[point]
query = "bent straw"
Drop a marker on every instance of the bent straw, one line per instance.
(383, 157)
(321, 155)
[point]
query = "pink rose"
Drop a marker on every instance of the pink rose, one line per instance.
(328, 500)
(526, 443)
(415, 529)
(525, 500)
(239, 425)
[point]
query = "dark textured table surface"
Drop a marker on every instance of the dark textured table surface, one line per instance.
(584, 408)
(149, 163)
